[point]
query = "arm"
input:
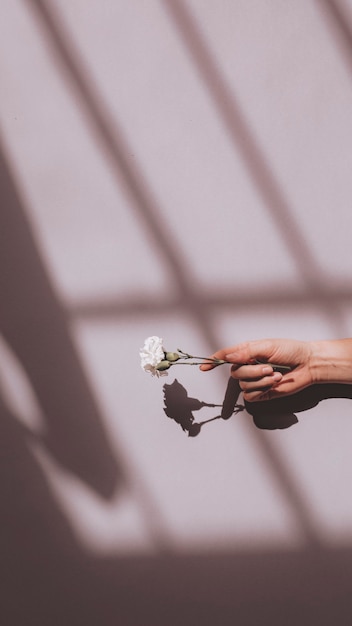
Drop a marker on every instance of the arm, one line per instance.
(311, 362)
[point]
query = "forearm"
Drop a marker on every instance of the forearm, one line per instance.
(331, 361)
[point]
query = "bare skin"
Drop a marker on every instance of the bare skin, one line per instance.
(311, 362)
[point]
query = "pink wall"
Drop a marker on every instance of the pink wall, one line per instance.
(180, 169)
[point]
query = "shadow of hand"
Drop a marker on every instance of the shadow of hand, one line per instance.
(280, 413)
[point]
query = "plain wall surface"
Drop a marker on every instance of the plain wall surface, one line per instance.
(180, 169)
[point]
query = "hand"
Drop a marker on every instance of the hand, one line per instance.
(259, 381)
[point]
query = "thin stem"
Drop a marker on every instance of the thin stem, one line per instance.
(199, 362)
(208, 359)
(273, 365)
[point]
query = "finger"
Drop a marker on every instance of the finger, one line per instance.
(220, 355)
(259, 396)
(245, 372)
(242, 352)
(238, 354)
(261, 350)
(287, 386)
(268, 393)
(249, 386)
(205, 367)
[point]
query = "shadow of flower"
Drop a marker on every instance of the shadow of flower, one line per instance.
(179, 406)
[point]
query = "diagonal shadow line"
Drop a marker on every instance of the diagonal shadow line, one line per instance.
(256, 163)
(139, 306)
(31, 309)
(111, 140)
(337, 17)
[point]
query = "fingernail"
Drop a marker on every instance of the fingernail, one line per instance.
(267, 369)
(277, 376)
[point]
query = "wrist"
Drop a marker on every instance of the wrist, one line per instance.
(331, 361)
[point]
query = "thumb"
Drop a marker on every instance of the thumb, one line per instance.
(249, 351)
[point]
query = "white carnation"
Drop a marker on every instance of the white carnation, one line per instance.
(151, 355)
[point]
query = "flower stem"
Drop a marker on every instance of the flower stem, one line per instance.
(286, 368)
(211, 361)
(207, 359)
(199, 362)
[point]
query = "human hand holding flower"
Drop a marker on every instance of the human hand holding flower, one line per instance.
(269, 368)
